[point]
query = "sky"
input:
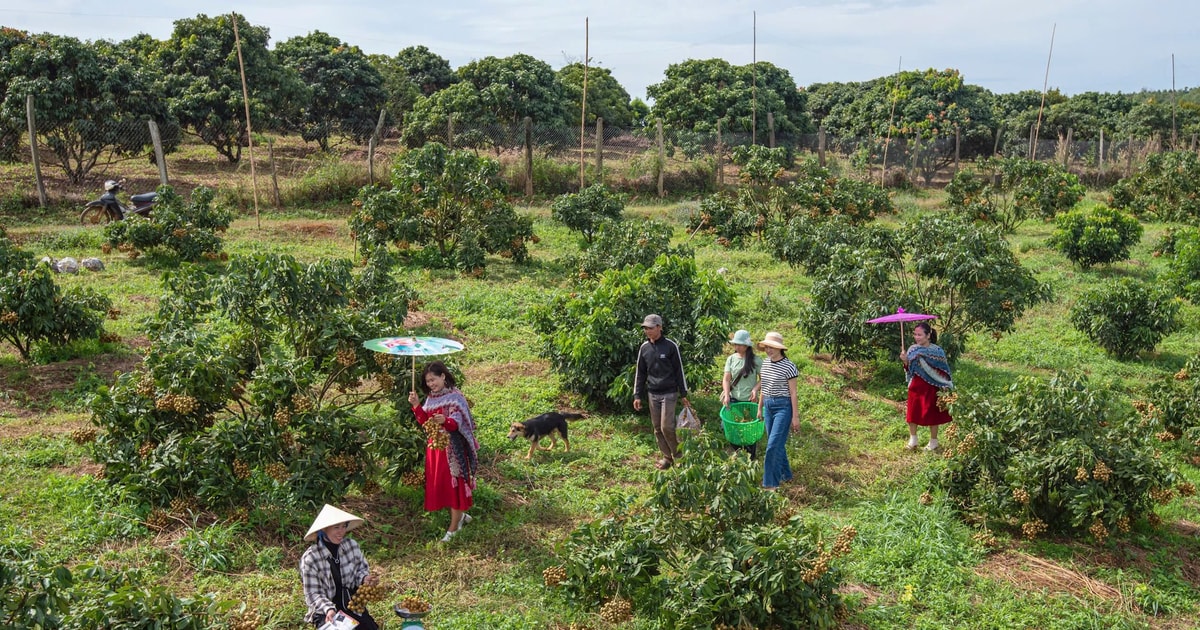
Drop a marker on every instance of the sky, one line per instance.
(1002, 45)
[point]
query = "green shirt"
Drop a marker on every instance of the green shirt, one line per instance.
(741, 389)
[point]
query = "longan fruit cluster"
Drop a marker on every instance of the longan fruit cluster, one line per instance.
(365, 595)
(925, 499)
(414, 604)
(1166, 436)
(553, 576)
(1123, 525)
(383, 360)
(181, 505)
(412, 478)
(385, 382)
(345, 357)
(1033, 528)
(9, 318)
(818, 569)
(287, 440)
(277, 471)
(841, 544)
(83, 436)
(370, 487)
(145, 386)
(1101, 471)
(1081, 474)
(985, 539)
(177, 403)
(1020, 495)
(439, 439)
(158, 519)
(348, 463)
(1186, 489)
(246, 620)
(1182, 374)
(146, 449)
(241, 470)
(1099, 531)
(281, 417)
(107, 337)
(302, 403)
(945, 399)
(616, 610)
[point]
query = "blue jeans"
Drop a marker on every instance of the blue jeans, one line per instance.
(777, 416)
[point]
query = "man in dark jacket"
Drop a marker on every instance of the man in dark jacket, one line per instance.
(660, 378)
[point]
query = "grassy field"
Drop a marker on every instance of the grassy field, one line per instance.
(913, 565)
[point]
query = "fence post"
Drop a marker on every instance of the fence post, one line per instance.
(600, 149)
(662, 158)
(529, 158)
(1067, 150)
(156, 139)
(275, 176)
(720, 159)
(1032, 143)
(450, 131)
(771, 129)
(33, 149)
(1100, 165)
(821, 146)
(999, 136)
(957, 148)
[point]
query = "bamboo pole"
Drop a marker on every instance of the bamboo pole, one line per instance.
(1042, 107)
(31, 118)
(237, 40)
(753, 85)
(887, 142)
(583, 106)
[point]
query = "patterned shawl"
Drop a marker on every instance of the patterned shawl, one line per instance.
(929, 362)
(463, 447)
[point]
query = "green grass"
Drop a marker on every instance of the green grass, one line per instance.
(913, 566)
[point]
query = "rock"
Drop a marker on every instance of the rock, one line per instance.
(722, 271)
(50, 261)
(67, 265)
(92, 264)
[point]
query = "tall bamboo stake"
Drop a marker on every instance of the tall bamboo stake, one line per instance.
(754, 84)
(583, 104)
(1045, 84)
(891, 118)
(249, 130)
(1174, 137)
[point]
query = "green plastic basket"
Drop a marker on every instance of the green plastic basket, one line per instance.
(742, 433)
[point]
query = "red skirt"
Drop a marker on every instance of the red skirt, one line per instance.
(922, 404)
(441, 490)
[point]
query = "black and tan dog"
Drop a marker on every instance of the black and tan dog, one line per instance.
(538, 427)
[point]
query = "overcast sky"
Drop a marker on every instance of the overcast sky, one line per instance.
(1099, 45)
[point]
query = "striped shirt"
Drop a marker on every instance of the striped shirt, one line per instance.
(775, 375)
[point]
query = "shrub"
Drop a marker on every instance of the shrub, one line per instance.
(1174, 402)
(34, 309)
(1097, 236)
(808, 242)
(760, 165)
(1053, 456)
(846, 292)
(332, 180)
(253, 388)
(1006, 191)
(1167, 187)
(34, 595)
(724, 216)
(591, 337)
(1183, 270)
(188, 229)
(708, 547)
(1125, 316)
(624, 243)
(451, 200)
(585, 211)
(816, 192)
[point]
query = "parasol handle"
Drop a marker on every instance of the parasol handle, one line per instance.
(414, 373)
(901, 337)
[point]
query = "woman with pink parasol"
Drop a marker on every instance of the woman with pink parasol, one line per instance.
(927, 371)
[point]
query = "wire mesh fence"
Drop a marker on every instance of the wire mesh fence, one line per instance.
(537, 159)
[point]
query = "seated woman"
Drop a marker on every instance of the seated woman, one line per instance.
(333, 568)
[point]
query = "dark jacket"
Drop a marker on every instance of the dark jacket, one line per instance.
(659, 369)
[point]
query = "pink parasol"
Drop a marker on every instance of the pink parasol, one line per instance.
(901, 316)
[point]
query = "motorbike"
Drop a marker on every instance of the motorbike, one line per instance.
(108, 208)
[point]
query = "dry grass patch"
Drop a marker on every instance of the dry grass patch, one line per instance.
(1031, 573)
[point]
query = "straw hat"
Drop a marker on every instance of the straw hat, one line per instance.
(772, 339)
(330, 516)
(741, 338)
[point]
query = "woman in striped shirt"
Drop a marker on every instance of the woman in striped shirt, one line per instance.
(779, 409)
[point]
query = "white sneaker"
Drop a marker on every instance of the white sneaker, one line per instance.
(912, 443)
(466, 518)
(932, 446)
(448, 536)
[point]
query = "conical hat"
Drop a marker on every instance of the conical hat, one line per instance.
(331, 516)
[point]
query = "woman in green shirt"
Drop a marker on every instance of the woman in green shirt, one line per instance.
(740, 382)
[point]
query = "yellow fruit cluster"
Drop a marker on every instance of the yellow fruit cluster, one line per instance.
(985, 539)
(1166, 436)
(158, 519)
(287, 440)
(240, 469)
(1033, 528)
(1101, 471)
(114, 313)
(277, 471)
(9, 318)
(1182, 374)
(348, 463)
(371, 487)
(439, 439)
(366, 595)
(177, 403)
(146, 449)
(818, 569)
(302, 403)
(1123, 524)
(83, 436)
(246, 620)
(1099, 531)
(414, 604)
(1081, 474)
(1020, 496)
(553, 576)
(412, 478)
(945, 399)
(1154, 519)
(345, 357)
(841, 544)
(145, 386)
(384, 360)
(616, 610)
(282, 417)
(385, 382)
(181, 505)
(1186, 489)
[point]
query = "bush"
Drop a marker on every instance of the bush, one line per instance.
(808, 243)
(1174, 402)
(1006, 191)
(585, 211)
(253, 389)
(34, 595)
(724, 216)
(188, 229)
(1097, 236)
(1183, 270)
(625, 243)
(1167, 187)
(34, 309)
(708, 547)
(1053, 456)
(591, 337)
(451, 200)
(760, 165)
(1125, 317)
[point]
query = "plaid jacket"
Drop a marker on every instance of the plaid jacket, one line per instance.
(317, 580)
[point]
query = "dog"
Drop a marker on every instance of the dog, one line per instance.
(538, 427)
